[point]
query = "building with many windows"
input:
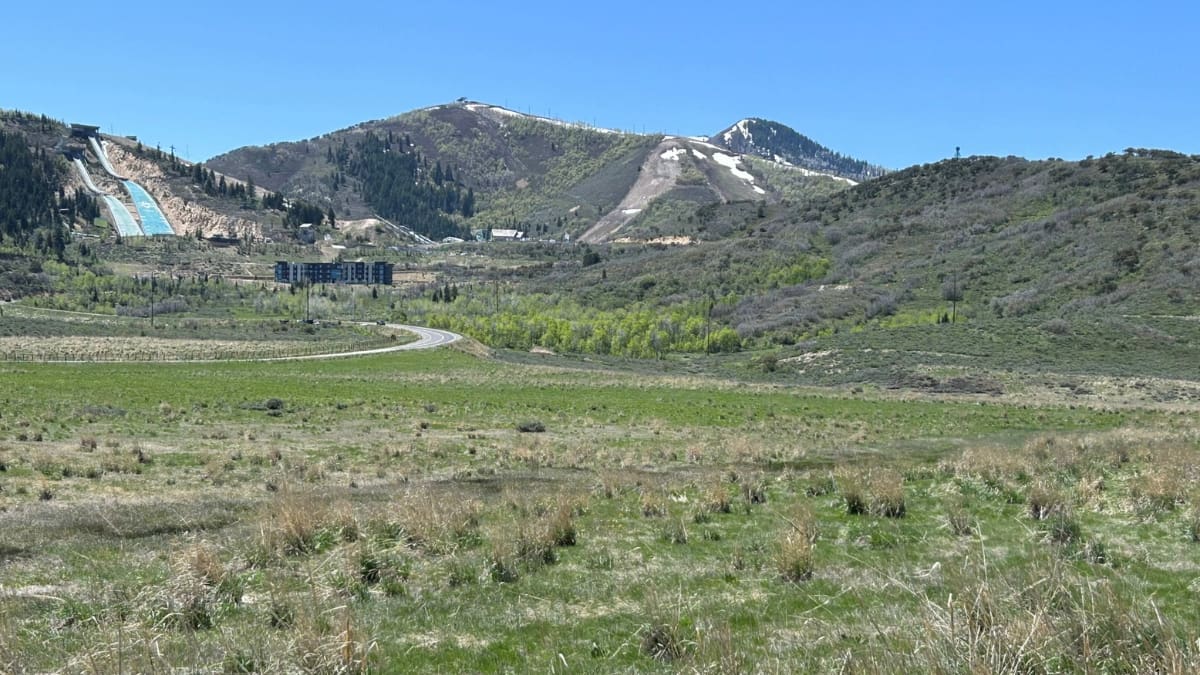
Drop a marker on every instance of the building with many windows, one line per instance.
(334, 272)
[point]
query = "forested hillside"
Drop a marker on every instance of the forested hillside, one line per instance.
(29, 198)
(399, 184)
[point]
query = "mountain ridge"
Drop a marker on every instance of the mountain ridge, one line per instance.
(537, 174)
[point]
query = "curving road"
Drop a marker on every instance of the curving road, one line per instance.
(427, 338)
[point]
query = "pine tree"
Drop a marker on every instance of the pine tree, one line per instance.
(468, 203)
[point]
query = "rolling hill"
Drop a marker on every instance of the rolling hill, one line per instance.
(1090, 266)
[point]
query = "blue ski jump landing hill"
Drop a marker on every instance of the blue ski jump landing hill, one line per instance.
(154, 221)
(122, 218)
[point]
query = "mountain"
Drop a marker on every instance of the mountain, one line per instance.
(774, 141)
(547, 177)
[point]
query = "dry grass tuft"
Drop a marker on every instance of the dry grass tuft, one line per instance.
(1192, 525)
(1036, 618)
(653, 505)
(299, 523)
(560, 524)
(332, 643)
(887, 494)
(879, 492)
(662, 642)
(794, 553)
(1044, 501)
(716, 499)
(959, 519)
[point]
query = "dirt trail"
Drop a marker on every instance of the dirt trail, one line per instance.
(658, 175)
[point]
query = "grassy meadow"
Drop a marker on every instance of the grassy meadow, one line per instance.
(447, 511)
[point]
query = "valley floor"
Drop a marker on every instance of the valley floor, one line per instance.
(451, 512)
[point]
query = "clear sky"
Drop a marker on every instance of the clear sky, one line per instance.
(895, 83)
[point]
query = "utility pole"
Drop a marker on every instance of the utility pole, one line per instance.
(954, 302)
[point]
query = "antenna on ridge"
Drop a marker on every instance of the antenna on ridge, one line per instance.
(957, 152)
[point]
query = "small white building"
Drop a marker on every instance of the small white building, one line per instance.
(507, 235)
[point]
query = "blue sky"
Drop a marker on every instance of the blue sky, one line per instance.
(892, 83)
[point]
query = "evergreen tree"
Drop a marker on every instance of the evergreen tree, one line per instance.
(468, 203)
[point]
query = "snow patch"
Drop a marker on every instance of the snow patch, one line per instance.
(631, 212)
(698, 154)
(673, 154)
(731, 163)
(484, 107)
(759, 190)
(704, 143)
(809, 172)
(742, 129)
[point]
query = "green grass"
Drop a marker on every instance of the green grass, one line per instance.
(386, 512)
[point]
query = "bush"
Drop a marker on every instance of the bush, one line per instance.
(884, 305)
(532, 426)
(1057, 327)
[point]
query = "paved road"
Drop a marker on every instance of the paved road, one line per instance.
(427, 338)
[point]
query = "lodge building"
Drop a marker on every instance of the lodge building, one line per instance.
(378, 272)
